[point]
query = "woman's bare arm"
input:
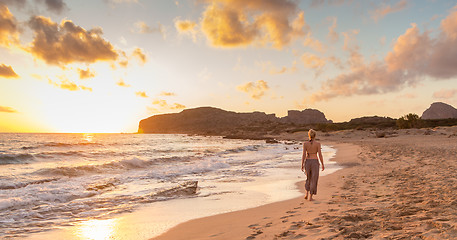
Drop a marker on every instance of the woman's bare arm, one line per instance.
(303, 158)
(320, 156)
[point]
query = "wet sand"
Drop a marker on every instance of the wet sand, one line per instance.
(401, 186)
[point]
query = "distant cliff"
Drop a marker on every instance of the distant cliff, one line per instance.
(306, 116)
(215, 121)
(439, 110)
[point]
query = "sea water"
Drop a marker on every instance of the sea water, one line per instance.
(59, 181)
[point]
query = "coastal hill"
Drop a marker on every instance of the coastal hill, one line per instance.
(215, 121)
(439, 110)
(259, 125)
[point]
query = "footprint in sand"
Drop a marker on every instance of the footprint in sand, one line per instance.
(252, 236)
(253, 225)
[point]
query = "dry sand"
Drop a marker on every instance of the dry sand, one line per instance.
(401, 186)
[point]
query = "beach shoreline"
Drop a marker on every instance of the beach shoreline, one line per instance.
(400, 186)
(247, 223)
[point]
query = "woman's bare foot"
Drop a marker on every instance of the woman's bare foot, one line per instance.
(306, 196)
(311, 197)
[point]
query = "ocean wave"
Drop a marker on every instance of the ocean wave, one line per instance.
(16, 185)
(76, 171)
(103, 185)
(194, 167)
(60, 144)
(59, 154)
(162, 167)
(16, 158)
(243, 149)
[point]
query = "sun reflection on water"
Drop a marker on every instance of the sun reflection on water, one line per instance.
(88, 137)
(97, 229)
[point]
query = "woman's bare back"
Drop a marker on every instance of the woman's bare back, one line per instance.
(312, 148)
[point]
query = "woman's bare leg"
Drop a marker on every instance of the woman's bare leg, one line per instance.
(306, 196)
(311, 197)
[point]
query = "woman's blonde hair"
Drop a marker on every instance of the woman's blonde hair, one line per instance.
(311, 134)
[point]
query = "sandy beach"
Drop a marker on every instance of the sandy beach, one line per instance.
(399, 186)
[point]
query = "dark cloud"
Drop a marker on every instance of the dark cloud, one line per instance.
(142, 27)
(318, 3)
(15, 3)
(7, 72)
(8, 27)
(57, 6)
(67, 43)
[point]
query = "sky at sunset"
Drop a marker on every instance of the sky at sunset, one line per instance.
(103, 65)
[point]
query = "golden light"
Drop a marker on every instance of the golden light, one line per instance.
(97, 229)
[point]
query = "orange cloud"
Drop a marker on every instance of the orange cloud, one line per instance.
(141, 94)
(167, 94)
(332, 34)
(165, 106)
(187, 27)
(68, 85)
(313, 43)
(7, 109)
(177, 106)
(123, 63)
(382, 11)
(312, 61)
(8, 27)
(409, 50)
(235, 23)
(161, 103)
(350, 45)
(445, 94)
(255, 89)
(67, 43)
(138, 53)
(85, 88)
(84, 74)
(414, 55)
(142, 27)
(7, 72)
(121, 83)
(273, 70)
(420, 54)
(367, 79)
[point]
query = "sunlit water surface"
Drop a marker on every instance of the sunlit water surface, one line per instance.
(127, 186)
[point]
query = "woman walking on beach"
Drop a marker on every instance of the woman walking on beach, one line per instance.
(310, 164)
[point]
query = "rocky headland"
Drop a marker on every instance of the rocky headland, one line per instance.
(259, 125)
(215, 121)
(439, 110)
